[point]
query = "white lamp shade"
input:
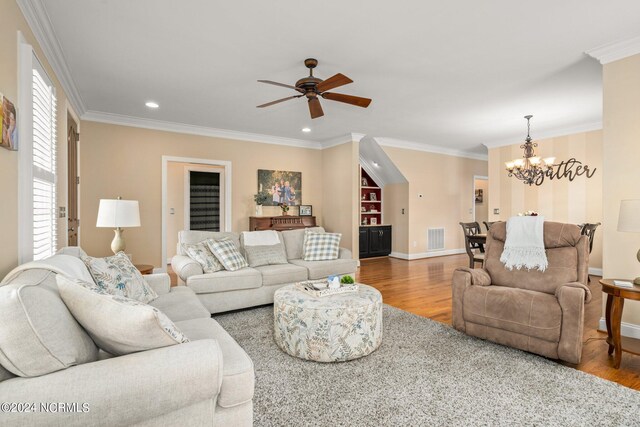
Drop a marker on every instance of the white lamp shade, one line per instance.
(118, 213)
(629, 217)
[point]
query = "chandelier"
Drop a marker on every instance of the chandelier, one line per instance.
(530, 168)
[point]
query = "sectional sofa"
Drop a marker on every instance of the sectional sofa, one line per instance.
(208, 381)
(231, 290)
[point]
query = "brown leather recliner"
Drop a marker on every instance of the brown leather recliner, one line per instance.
(539, 312)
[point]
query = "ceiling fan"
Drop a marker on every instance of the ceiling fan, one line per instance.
(313, 87)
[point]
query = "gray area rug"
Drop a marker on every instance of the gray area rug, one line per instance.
(424, 373)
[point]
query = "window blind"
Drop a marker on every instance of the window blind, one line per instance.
(44, 164)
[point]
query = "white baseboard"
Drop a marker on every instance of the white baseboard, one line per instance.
(595, 271)
(626, 329)
(431, 254)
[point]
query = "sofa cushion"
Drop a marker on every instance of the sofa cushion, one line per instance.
(221, 281)
(321, 246)
(227, 253)
(322, 269)
(201, 253)
(38, 334)
(238, 377)
(118, 276)
(181, 303)
(119, 325)
(530, 313)
(294, 240)
(281, 274)
(265, 255)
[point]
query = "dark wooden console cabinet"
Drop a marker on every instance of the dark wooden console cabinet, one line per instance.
(375, 241)
(280, 223)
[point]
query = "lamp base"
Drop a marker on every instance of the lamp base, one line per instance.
(117, 244)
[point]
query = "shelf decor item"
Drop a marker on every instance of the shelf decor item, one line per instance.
(365, 183)
(118, 214)
(629, 221)
(285, 209)
(373, 197)
(260, 198)
(374, 221)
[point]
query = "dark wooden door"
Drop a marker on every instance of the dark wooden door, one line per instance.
(73, 180)
(364, 242)
(379, 241)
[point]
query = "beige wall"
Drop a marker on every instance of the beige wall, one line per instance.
(446, 183)
(340, 187)
(395, 198)
(126, 161)
(12, 21)
(482, 209)
(621, 178)
(575, 202)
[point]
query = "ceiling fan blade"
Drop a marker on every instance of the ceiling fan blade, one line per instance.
(347, 99)
(280, 84)
(333, 82)
(315, 108)
(278, 101)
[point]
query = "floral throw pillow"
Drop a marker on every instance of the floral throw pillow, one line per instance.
(228, 254)
(117, 324)
(116, 275)
(200, 252)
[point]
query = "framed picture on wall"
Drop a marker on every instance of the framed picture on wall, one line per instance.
(8, 124)
(305, 210)
(479, 195)
(281, 186)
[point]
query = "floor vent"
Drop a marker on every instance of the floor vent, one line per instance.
(435, 239)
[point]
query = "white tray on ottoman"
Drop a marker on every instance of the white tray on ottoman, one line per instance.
(335, 328)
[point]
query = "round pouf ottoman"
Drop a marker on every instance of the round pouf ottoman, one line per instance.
(333, 328)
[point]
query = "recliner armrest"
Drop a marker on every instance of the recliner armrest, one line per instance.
(587, 291)
(479, 276)
(185, 267)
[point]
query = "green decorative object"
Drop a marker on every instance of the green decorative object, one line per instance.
(347, 280)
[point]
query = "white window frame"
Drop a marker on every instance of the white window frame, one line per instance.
(27, 62)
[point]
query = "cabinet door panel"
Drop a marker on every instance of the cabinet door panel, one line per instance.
(364, 243)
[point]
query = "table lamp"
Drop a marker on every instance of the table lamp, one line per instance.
(629, 221)
(118, 214)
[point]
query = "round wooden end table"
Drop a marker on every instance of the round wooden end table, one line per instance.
(615, 302)
(145, 268)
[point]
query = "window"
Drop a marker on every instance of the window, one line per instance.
(38, 222)
(44, 164)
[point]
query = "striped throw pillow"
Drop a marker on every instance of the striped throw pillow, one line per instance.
(227, 253)
(321, 246)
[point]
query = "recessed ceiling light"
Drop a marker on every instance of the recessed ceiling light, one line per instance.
(306, 130)
(375, 164)
(151, 104)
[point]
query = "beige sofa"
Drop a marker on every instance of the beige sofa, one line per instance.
(231, 290)
(208, 381)
(540, 312)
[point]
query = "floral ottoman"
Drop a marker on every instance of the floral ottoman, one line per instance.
(335, 328)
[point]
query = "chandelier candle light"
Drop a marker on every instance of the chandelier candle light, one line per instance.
(530, 167)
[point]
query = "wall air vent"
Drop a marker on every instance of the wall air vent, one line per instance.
(435, 239)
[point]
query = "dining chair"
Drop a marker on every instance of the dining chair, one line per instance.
(589, 230)
(475, 250)
(488, 224)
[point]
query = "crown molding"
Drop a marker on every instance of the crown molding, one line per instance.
(617, 50)
(342, 139)
(554, 133)
(119, 119)
(417, 146)
(38, 20)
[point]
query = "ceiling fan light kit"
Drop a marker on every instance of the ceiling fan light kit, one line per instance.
(312, 87)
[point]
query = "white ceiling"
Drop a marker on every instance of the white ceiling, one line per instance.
(453, 74)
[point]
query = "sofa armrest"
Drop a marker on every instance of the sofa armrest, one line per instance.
(123, 390)
(572, 298)
(161, 282)
(344, 253)
(479, 276)
(185, 267)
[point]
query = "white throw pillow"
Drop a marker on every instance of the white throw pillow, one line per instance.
(118, 276)
(117, 324)
(200, 252)
(227, 253)
(321, 246)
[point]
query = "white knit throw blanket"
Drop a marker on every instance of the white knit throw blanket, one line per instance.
(524, 246)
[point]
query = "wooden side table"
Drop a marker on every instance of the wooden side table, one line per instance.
(145, 268)
(615, 302)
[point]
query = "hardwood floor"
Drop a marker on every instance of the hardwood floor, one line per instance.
(423, 287)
